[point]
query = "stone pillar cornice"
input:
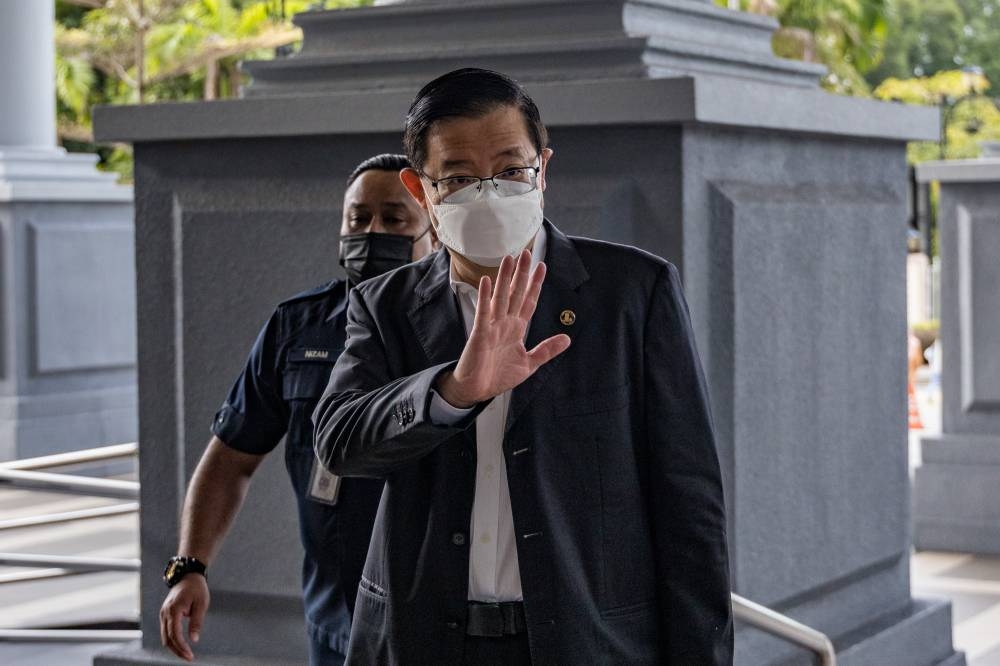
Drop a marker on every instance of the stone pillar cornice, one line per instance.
(401, 45)
(983, 170)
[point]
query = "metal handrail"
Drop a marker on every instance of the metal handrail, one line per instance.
(785, 627)
(22, 474)
(66, 483)
(70, 562)
(38, 574)
(68, 516)
(70, 635)
(74, 457)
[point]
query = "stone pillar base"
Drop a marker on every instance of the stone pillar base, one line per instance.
(919, 634)
(67, 304)
(956, 503)
(44, 424)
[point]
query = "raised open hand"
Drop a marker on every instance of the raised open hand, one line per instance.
(495, 359)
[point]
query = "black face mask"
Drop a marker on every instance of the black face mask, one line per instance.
(368, 255)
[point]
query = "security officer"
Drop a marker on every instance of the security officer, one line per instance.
(382, 228)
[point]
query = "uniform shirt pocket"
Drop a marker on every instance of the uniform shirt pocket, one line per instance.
(307, 372)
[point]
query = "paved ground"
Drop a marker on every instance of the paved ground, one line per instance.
(973, 585)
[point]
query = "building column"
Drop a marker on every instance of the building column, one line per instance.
(956, 504)
(67, 304)
(27, 72)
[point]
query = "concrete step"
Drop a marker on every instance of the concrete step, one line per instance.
(957, 659)
(135, 655)
(924, 628)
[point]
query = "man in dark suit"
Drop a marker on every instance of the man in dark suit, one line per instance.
(553, 493)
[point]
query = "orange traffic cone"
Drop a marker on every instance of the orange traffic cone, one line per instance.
(915, 422)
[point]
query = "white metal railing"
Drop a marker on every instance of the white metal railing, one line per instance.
(74, 457)
(785, 627)
(66, 483)
(69, 562)
(37, 574)
(23, 474)
(68, 516)
(70, 635)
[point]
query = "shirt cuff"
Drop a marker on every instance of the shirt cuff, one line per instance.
(443, 413)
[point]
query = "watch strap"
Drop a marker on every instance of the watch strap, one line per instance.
(180, 566)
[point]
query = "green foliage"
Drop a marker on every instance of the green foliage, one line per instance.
(981, 39)
(925, 39)
(74, 80)
(908, 51)
(970, 115)
(847, 36)
(171, 50)
(929, 36)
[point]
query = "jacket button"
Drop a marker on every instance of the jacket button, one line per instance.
(458, 539)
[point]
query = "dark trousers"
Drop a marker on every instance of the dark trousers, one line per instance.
(500, 651)
(321, 654)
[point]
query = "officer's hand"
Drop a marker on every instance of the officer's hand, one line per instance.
(495, 359)
(189, 598)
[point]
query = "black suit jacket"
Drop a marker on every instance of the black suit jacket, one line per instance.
(614, 479)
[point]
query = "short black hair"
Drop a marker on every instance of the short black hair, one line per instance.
(467, 93)
(383, 162)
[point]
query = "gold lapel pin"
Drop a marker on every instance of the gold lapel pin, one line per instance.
(567, 317)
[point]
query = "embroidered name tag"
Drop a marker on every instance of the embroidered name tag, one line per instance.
(314, 355)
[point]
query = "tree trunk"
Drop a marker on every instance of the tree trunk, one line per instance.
(140, 53)
(235, 79)
(211, 80)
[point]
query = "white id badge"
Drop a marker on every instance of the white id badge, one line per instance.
(323, 484)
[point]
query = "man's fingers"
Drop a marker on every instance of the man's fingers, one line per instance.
(548, 349)
(163, 626)
(519, 284)
(175, 636)
(196, 620)
(482, 302)
(501, 290)
(532, 292)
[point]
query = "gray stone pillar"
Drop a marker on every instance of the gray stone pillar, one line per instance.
(674, 129)
(956, 498)
(67, 311)
(27, 72)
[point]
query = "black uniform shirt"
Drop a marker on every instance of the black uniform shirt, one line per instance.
(276, 393)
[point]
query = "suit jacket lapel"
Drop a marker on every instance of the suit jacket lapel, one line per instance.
(434, 314)
(559, 295)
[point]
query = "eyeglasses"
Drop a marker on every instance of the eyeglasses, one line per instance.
(508, 183)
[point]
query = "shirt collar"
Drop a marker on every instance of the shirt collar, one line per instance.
(537, 256)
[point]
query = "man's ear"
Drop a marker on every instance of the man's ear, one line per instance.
(546, 156)
(411, 181)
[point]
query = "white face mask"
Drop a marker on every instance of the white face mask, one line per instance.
(490, 228)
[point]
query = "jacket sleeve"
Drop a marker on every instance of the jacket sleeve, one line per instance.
(685, 488)
(369, 422)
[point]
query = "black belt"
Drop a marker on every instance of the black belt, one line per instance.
(494, 620)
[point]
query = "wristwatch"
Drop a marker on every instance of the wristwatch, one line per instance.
(178, 567)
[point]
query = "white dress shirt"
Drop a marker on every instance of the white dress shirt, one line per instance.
(493, 570)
